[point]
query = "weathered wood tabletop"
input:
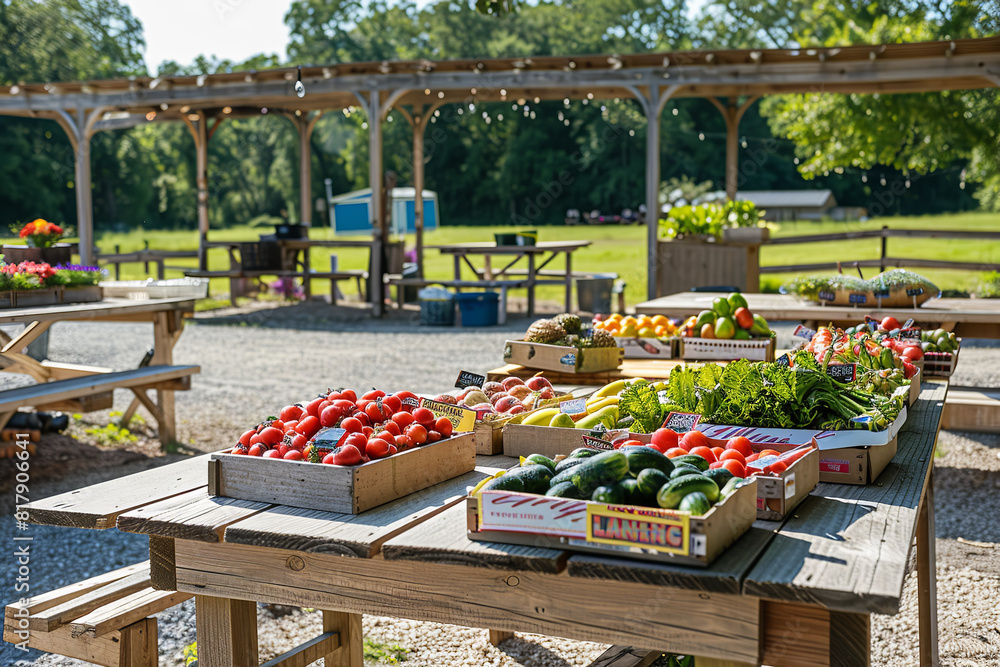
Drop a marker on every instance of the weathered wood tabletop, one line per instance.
(798, 593)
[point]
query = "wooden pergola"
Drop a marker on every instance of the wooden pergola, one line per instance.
(730, 79)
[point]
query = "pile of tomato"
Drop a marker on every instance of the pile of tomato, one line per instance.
(376, 425)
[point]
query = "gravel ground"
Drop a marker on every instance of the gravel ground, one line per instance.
(255, 360)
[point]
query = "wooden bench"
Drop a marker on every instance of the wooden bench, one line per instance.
(972, 409)
(89, 393)
(399, 282)
(235, 275)
(104, 619)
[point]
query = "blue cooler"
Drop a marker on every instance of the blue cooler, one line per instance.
(478, 309)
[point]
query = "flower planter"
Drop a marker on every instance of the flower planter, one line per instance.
(684, 264)
(746, 235)
(60, 253)
(46, 296)
(82, 294)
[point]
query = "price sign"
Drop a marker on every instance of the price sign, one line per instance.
(467, 379)
(914, 291)
(597, 443)
(462, 419)
(784, 360)
(329, 438)
(804, 332)
(574, 407)
(856, 299)
(842, 372)
(881, 291)
(681, 422)
(827, 296)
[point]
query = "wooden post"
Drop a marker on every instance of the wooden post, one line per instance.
(927, 576)
(118, 265)
(379, 231)
(138, 646)
(651, 107)
(498, 637)
(885, 243)
(732, 149)
(82, 181)
(227, 632)
(351, 651)
(201, 180)
(305, 126)
(753, 268)
(166, 330)
(419, 124)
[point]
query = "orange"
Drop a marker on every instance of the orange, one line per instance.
(660, 320)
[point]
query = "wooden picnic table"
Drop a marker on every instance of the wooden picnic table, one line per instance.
(535, 255)
(166, 315)
(973, 318)
(798, 593)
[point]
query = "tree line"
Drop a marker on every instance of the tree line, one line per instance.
(490, 163)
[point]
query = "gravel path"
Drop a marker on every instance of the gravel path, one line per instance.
(255, 361)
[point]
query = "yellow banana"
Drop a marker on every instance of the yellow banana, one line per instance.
(540, 417)
(609, 389)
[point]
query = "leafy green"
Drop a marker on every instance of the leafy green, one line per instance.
(640, 401)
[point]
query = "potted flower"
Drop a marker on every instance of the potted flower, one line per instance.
(42, 239)
(28, 284)
(81, 284)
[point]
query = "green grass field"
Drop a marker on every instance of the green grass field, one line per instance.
(621, 250)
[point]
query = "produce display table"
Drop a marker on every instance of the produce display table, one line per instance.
(166, 315)
(798, 594)
(653, 369)
(972, 318)
(532, 253)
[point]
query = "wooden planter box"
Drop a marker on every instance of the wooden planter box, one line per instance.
(82, 294)
(683, 265)
(46, 296)
(717, 349)
(649, 348)
(746, 235)
(589, 527)
(60, 253)
(562, 359)
(342, 489)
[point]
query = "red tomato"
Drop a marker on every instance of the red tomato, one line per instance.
(255, 438)
(238, 449)
(349, 395)
(278, 424)
(328, 459)
(272, 454)
(408, 399)
(718, 452)
(443, 426)
(402, 419)
(348, 455)
(245, 438)
(290, 426)
(257, 450)
(290, 412)
(393, 449)
(713, 466)
(282, 449)
(630, 443)
(752, 458)
(334, 395)
(293, 455)
(740, 444)
(312, 408)
(386, 435)
(735, 467)
(393, 427)
(423, 416)
(271, 435)
(777, 467)
(350, 424)
(373, 394)
(299, 441)
(434, 436)
(367, 430)
(356, 439)
(912, 353)
(417, 433)
(693, 439)
(674, 452)
(890, 323)
(308, 426)
(664, 439)
(393, 402)
(733, 455)
(704, 452)
(769, 452)
(331, 416)
(404, 442)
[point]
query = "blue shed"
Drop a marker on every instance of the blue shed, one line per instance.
(350, 213)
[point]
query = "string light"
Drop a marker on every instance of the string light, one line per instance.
(300, 89)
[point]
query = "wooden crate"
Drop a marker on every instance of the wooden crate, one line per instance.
(550, 441)
(562, 523)
(941, 364)
(683, 265)
(717, 349)
(489, 433)
(561, 358)
(342, 489)
(649, 348)
(82, 294)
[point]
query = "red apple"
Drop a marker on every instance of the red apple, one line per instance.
(537, 382)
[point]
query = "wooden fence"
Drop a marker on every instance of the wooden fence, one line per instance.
(885, 261)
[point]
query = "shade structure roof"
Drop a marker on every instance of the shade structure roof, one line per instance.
(788, 198)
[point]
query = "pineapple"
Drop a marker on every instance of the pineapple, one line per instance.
(571, 323)
(595, 338)
(544, 331)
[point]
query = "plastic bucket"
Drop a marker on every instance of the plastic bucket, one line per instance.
(437, 307)
(478, 309)
(527, 238)
(593, 294)
(505, 239)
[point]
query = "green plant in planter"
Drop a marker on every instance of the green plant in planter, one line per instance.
(708, 220)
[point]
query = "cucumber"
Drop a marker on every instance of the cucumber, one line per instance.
(601, 470)
(720, 476)
(692, 459)
(641, 458)
(614, 494)
(583, 453)
(505, 482)
(563, 490)
(670, 496)
(651, 480)
(540, 460)
(631, 490)
(682, 470)
(534, 477)
(695, 502)
(566, 464)
(730, 487)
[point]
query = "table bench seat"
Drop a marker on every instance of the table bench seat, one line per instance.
(104, 619)
(333, 276)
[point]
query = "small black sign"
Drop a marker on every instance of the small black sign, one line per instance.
(914, 291)
(881, 291)
(827, 296)
(858, 298)
(843, 372)
(913, 332)
(467, 379)
(784, 360)
(681, 422)
(596, 443)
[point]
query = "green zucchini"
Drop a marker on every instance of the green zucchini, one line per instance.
(630, 488)
(730, 487)
(720, 476)
(566, 464)
(684, 469)
(640, 458)
(670, 496)
(613, 495)
(601, 470)
(692, 459)
(505, 482)
(563, 490)
(535, 477)
(538, 459)
(651, 480)
(695, 502)
(583, 453)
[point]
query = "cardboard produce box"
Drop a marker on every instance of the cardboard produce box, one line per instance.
(649, 348)
(561, 358)
(717, 349)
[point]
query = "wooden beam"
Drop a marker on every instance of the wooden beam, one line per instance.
(32, 331)
(498, 637)
(227, 632)
(351, 635)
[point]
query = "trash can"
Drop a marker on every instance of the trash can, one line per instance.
(478, 309)
(437, 307)
(593, 293)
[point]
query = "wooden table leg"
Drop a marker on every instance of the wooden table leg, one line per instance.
(166, 330)
(498, 637)
(351, 652)
(715, 662)
(927, 578)
(850, 639)
(531, 284)
(799, 634)
(569, 282)
(458, 267)
(227, 632)
(306, 280)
